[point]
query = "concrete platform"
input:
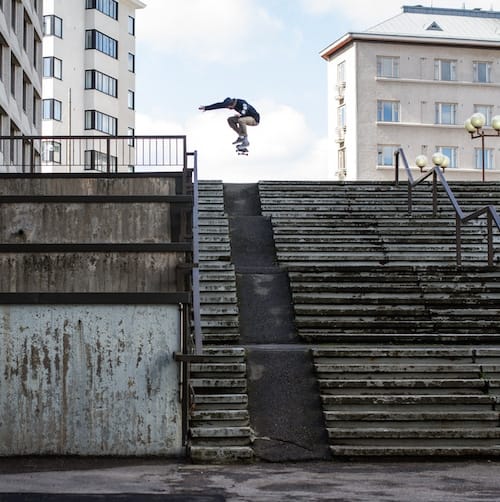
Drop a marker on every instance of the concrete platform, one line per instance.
(313, 481)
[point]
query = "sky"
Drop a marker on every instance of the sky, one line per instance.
(197, 52)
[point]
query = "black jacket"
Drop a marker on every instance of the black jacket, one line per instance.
(242, 107)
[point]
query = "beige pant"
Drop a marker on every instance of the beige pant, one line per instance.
(239, 124)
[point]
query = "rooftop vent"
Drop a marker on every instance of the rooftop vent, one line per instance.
(434, 26)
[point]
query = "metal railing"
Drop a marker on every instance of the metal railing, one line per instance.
(91, 153)
(460, 217)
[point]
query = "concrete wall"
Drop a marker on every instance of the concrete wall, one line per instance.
(89, 315)
(89, 380)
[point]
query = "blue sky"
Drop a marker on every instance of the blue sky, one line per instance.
(196, 52)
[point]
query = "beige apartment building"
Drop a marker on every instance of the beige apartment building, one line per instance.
(411, 82)
(20, 81)
(88, 83)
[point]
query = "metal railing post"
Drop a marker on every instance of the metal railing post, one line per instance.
(396, 174)
(196, 262)
(458, 231)
(434, 193)
(489, 218)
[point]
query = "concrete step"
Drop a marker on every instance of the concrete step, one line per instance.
(453, 418)
(455, 403)
(220, 455)
(415, 451)
(411, 385)
(220, 401)
(431, 434)
(218, 368)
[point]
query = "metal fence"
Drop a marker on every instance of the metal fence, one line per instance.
(109, 154)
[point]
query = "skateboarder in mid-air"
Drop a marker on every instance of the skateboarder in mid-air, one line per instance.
(247, 116)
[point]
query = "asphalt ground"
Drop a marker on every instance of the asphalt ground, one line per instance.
(53, 479)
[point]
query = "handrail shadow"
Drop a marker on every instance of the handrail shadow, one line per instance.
(460, 217)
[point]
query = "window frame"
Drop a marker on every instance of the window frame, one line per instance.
(51, 109)
(54, 66)
(394, 70)
(52, 26)
(440, 70)
(96, 40)
(477, 73)
(381, 155)
(440, 113)
(393, 108)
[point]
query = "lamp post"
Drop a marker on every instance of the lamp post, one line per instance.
(438, 159)
(474, 125)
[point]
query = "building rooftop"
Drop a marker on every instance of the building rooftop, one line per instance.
(475, 27)
(418, 21)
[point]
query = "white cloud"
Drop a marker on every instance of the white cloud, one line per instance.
(208, 30)
(366, 13)
(282, 146)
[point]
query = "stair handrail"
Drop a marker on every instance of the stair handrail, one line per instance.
(460, 217)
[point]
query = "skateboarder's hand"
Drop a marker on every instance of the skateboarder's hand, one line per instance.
(202, 108)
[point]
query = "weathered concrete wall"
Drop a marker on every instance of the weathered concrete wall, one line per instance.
(154, 184)
(65, 222)
(89, 272)
(89, 380)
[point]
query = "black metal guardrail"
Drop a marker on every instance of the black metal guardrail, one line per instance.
(30, 154)
(460, 217)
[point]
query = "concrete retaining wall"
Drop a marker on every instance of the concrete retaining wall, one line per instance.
(89, 380)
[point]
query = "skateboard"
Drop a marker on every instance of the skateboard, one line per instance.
(242, 150)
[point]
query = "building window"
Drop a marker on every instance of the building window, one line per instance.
(387, 66)
(96, 40)
(341, 116)
(131, 99)
(101, 82)
(51, 109)
(131, 25)
(131, 62)
(385, 155)
(450, 152)
(446, 113)
(482, 71)
(108, 7)
(26, 92)
(486, 110)
(15, 68)
(13, 14)
(488, 158)
(388, 111)
(37, 50)
(445, 69)
(51, 152)
(131, 132)
(52, 25)
(101, 122)
(98, 161)
(26, 33)
(52, 67)
(341, 72)
(36, 108)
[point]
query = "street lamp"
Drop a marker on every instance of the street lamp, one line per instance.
(474, 125)
(438, 159)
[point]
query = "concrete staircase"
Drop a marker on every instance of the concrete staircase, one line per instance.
(414, 368)
(219, 422)
(432, 399)
(406, 345)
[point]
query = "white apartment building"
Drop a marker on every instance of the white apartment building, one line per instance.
(88, 79)
(411, 82)
(20, 81)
